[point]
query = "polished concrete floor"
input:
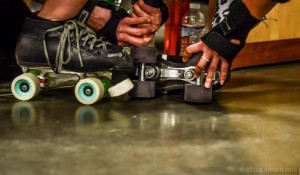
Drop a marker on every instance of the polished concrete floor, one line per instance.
(252, 127)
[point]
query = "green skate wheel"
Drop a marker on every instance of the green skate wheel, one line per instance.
(25, 86)
(120, 88)
(89, 90)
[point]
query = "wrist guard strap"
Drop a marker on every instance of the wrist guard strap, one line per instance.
(89, 6)
(158, 4)
(236, 25)
(109, 31)
(281, 1)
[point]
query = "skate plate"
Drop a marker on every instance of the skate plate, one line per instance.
(89, 87)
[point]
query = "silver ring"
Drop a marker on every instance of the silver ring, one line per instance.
(207, 60)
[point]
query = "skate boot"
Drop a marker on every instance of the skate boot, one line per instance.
(163, 73)
(69, 48)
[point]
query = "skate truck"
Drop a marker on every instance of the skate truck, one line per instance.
(154, 73)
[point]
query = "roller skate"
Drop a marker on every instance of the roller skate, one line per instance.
(155, 73)
(70, 48)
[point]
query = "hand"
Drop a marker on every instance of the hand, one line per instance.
(141, 9)
(209, 57)
(129, 34)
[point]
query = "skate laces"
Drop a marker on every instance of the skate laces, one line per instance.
(72, 31)
(89, 38)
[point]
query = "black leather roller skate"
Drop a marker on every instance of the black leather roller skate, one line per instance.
(71, 47)
(162, 73)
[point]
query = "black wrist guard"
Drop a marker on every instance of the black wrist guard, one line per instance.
(109, 31)
(158, 4)
(89, 6)
(236, 25)
(281, 1)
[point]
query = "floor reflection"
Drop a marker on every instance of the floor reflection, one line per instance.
(253, 122)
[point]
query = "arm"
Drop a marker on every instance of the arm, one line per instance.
(115, 25)
(224, 41)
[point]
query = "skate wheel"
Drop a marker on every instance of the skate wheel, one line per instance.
(143, 89)
(25, 86)
(23, 114)
(121, 88)
(197, 94)
(144, 54)
(89, 90)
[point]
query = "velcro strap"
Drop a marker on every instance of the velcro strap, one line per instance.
(109, 31)
(222, 46)
(239, 18)
(86, 11)
(89, 6)
(165, 13)
(281, 1)
(227, 26)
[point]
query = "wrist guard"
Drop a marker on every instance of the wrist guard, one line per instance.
(158, 4)
(236, 25)
(280, 1)
(89, 6)
(109, 31)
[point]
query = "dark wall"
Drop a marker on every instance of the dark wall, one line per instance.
(12, 15)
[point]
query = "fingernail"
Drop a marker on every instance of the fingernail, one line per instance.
(222, 82)
(207, 85)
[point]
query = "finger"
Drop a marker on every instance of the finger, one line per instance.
(124, 44)
(194, 48)
(136, 21)
(147, 9)
(134, 31)
(136, 41)
(133, 15)
(211, 71)
(197, 47)
(138, 11)
(200, 67)
(155, 18)
(224, 71)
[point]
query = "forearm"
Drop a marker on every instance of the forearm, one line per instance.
(259, 8)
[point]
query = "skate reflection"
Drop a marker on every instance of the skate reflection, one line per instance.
(115, 118)
(23, 114)
(86, 116)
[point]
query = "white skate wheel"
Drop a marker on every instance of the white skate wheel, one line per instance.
(25, 86)
(89, 90)
(120, 88)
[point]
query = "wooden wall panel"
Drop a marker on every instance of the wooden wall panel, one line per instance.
(277, 43)
(287, 25)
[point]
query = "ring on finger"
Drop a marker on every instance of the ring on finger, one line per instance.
(204, 58)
